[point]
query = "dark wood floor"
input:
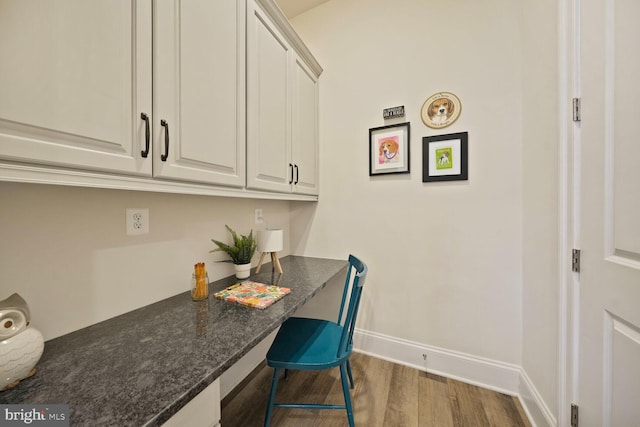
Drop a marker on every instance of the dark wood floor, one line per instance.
(385, 394)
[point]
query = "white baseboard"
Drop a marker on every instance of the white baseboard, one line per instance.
(538, 412)
(490, 374)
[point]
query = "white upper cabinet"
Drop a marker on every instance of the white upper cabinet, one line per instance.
(75, 77)
(216, 97)
(76, 87)
(282, 98)
(199, 91)
(269, 106)
(305, 128)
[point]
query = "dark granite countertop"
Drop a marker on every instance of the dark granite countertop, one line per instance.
(142, 367)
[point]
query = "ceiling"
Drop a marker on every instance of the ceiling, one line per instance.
(292, 8)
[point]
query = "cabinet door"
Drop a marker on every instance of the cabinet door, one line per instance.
(268, 98)
(305, 129)
(75, 76)
(199, 91)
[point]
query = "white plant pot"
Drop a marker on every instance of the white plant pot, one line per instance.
(243, 271)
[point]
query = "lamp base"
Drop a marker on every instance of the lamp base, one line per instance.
(275, 262)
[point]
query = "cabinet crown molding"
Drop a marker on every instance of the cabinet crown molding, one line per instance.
(279, 18)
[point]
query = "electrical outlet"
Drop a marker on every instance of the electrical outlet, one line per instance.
(137, 221)
(259, 219)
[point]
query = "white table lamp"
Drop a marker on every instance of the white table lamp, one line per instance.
(270, 241)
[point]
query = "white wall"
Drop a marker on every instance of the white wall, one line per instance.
(65, 249)
(476, 261)
(445, 258)
(540, 197)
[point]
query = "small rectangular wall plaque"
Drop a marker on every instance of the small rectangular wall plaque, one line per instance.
(390, 113)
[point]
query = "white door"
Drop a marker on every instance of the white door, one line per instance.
(608, 384)
(75, 78)
(199, 81)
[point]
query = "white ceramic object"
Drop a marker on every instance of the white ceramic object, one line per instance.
(242, 270)
(19, 355)
(21, 345)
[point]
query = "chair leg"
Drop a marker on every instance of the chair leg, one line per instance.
(349, 372)
(347, 396)
(272, 396)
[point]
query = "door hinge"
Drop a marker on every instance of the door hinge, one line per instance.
(574, 415)
(576, 109)
(575, 260)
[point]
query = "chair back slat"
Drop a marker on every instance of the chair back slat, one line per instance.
(345, 292)
(346, 340)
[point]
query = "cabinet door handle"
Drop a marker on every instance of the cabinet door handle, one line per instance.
(147, 135)
(297, 175)
(165, 125)
(291, 168)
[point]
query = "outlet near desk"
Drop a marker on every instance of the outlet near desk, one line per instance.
(137, 221)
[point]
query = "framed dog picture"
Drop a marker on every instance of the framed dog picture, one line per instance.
(441, 110)
(445, 157)
(389, 149)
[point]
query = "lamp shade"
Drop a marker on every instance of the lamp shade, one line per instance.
(270, 240)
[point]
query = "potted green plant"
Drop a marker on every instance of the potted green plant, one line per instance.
(240, 251)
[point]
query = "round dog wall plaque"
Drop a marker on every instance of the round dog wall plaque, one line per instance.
(440, 110)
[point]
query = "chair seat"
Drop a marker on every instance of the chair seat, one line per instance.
(306, 344)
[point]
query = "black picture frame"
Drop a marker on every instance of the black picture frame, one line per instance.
(389, 149)
(445, 157)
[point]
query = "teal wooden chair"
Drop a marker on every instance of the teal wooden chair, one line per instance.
(314, 344)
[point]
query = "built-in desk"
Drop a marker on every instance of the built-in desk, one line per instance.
(142, 367)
